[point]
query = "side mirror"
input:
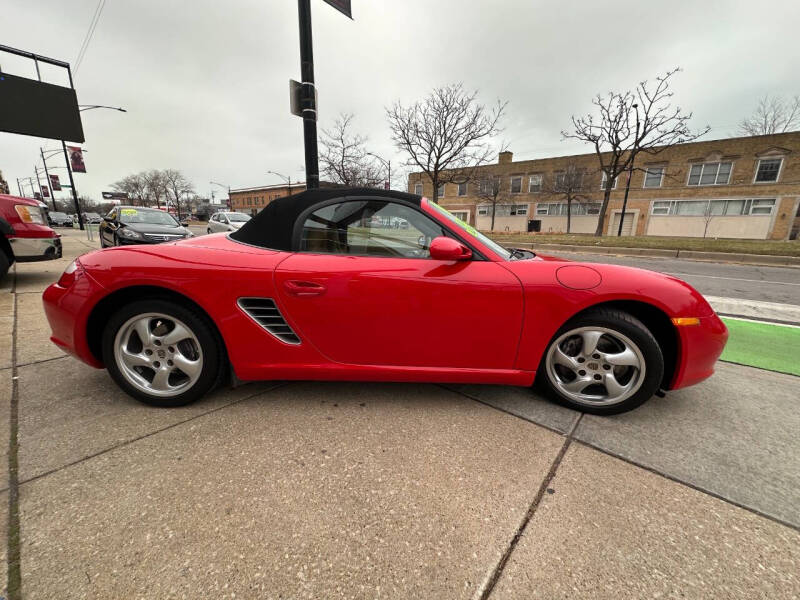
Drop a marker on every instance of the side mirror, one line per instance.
(445, 248)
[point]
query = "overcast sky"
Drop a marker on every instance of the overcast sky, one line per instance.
(205, 83)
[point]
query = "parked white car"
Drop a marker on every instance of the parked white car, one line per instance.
(226, 221)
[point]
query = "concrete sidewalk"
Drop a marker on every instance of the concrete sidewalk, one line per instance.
(310, 490)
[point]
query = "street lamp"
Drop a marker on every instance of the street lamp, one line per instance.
(84, 107)
(224, 187)
(388, 165)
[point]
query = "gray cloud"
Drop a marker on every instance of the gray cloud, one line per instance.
(206, 83)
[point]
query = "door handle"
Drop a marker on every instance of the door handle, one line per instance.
(298, 287)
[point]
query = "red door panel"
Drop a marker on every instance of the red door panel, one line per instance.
(403, 311)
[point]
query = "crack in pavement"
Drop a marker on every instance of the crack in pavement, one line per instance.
(14, 585)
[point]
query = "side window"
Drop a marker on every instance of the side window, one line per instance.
(369, 228)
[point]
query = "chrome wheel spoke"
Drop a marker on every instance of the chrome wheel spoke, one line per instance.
(135, 359)
(590, 339)
(161, 380)
(178, 334)
(626, 358)
(190, 368)
(614, 387)
(142, 329)
(576, 386)
(563, 359)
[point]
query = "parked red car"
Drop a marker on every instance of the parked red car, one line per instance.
(24, 233)
(315, 287)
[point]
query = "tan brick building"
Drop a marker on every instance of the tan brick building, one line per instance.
(746, 187)
(251, 200)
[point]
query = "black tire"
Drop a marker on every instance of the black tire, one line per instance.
(208, 230)
(214, 356)
(623, 323)
(4, 263)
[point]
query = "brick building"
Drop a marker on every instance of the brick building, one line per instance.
(745, 187)
(251, 200)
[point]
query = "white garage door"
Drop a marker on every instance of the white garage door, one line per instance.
(627, 225)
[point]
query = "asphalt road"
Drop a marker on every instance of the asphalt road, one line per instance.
(749, 282)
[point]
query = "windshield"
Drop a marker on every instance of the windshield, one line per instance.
(497, 248)
(150, 216)
(237, 217)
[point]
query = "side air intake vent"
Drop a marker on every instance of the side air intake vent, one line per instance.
(264, 312)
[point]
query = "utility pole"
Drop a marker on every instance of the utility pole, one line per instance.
(72, 186)
(39, 183)
(308, 95)
(630, 173)
(19, 188)
(49, 181)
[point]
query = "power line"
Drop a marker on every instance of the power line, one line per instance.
(89, 34)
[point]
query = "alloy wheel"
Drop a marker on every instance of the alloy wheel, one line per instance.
(158, 354)
(595, 366)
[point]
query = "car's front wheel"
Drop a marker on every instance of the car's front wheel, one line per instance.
(162, 353)
(208, 230)
(604, 361)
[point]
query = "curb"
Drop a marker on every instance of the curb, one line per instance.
(756, 309)
(725, 257)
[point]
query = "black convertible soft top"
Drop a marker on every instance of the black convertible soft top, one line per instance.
(274, 225)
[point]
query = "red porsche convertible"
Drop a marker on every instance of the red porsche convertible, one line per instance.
(364, 284)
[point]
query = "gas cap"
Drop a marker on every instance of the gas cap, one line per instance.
(578, 277)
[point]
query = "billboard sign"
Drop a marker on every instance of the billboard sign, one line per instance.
(115, 195)
(45, 191)
(31, 107)
(55, 183)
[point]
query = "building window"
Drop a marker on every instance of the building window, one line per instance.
(418, 189)
(461, 214)
(575, 182)
(516, 185)
(768, 169)
(503, 210)
(535, 183)
(702, 208)
(603, 182)
(441, 190)
(653, 176)
(558, 209)
(716, 173)
(462, 189)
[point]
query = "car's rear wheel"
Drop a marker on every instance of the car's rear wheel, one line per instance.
(162, 353)
(604, 361)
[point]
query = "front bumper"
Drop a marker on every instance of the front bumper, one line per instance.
(700, 347)
(30, 249)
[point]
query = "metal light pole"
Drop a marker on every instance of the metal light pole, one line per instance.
(39, 183)
(49, 181)
(224, 187)
(19, 188)
(630, 173)
(388, 165)
(308, 95)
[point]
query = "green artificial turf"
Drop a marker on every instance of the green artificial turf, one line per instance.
(763, 345)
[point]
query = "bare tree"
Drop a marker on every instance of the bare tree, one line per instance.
(447, 134)
(154, 186)
(344, 158)
(629, 123)
(177, 187)
(569, 185)
(490, 190)
(773, 115)
(135, 186)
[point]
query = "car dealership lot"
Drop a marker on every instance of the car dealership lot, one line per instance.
(367, 490)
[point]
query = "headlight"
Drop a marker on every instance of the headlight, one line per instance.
(30, 214)
(129, 233)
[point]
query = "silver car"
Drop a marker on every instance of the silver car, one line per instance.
(226, 221)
